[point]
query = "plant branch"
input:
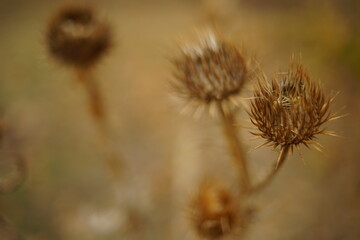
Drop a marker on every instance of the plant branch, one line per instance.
(229, 129)
(96, 104)
(97, 111)
(280, 161)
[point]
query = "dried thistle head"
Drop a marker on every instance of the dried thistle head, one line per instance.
(215, 211)
(290, 109)
(212, 71)
(76, 37)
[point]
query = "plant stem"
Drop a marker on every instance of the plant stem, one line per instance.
(97, 111)
(229, 129)
(280, 160)
(97, 108)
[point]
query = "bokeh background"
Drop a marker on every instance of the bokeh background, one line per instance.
(69, 194)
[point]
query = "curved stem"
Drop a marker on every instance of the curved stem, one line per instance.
(280, 161)
(229, 129)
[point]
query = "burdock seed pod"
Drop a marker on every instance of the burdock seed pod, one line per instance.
(212, 71)
(76, 37)
(290, 110)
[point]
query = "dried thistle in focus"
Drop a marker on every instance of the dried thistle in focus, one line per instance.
(212, 71)
(76, 37)
(215, 212)
(290, 109)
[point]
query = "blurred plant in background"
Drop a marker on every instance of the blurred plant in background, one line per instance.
(68, 195)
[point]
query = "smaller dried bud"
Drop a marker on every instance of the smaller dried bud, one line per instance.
(215, 212)
(290, 110)
(212, 71)
(76, 37)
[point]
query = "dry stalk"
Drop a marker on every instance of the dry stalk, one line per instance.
(229, 129)
(98, 112)
(284, 151)
(96, 102)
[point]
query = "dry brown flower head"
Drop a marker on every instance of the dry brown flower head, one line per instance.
(290, 109)
(76, 37)
(214, 211)
(211, 71)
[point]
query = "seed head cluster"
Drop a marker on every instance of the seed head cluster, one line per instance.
(290, 109)
(214, 70)
(76, 37)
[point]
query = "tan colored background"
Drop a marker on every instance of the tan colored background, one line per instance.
(69, 194)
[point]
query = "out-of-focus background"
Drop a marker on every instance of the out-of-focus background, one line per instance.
(69, 194)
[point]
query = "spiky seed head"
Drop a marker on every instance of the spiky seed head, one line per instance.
(290, 109)
(212, 70)
(76, 37)
(215, 211)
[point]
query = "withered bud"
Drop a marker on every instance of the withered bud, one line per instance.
(213, 70)
(215, 212)
(76, 37)
(290, 109)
